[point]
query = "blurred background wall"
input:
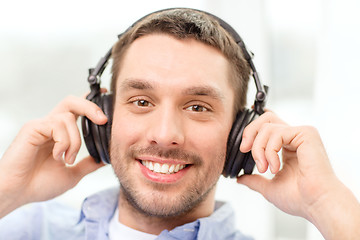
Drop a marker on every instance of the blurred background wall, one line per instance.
(306, 50)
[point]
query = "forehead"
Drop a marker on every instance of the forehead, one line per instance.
(166, 61)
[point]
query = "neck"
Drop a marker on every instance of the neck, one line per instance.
(131, 217)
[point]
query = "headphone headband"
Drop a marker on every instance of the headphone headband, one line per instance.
(94, 78)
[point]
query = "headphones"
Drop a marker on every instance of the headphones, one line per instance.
(97, 137)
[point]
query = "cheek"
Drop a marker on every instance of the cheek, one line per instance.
(211, 143)
(123, 134)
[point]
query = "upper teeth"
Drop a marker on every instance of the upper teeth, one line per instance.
(163, 168)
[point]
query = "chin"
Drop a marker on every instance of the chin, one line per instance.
(161, 204)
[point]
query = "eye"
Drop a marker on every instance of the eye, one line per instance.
(197, 108)
(142, 103)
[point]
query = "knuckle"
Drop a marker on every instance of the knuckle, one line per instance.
(33, 124)
(55, 121)
(68, 116)
(30, 124)
(61, 118)
(309, 129)
(257, 150)
(67, 103)
(63, 106)
(267, 127)
(76, 143)
(269, 115)
(69, 99)
(61, 144)
(268, 151)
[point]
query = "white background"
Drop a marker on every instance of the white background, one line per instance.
(306, 50)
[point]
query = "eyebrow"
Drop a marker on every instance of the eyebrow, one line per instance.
(133, 83)
(203, 91)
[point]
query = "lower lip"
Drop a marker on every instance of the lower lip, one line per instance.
(163, 178)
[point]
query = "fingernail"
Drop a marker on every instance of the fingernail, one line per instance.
(242, 144)
(258, 165)
(72, 158)
(60, 157)
(271, 168)
(100, 114)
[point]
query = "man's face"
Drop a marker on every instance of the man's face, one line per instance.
(172, 116)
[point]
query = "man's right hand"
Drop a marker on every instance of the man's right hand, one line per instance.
(39, 164)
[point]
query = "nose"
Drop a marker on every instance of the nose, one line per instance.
(166, 128)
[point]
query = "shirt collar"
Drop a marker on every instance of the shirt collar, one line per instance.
(101, 207)
(219, 225)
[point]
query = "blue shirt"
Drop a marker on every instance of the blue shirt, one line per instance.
(52, 220)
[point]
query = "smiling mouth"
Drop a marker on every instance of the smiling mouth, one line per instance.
(163, 168)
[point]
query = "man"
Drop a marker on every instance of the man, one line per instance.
(178, 81)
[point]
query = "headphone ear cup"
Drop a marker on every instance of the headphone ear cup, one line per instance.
(108, 111)
(91, 135)
(100, 135)
(97, 137)
(236, 160)
(234, 140)
(107, 107)
(238, 164)
(86, 125)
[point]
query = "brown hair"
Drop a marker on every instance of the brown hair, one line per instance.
(188, 23)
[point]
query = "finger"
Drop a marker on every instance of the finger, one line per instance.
(252, 129)
(81, 107)
(272, 148)
(36, 132)
(61, 139)
(103, 90)
(255, 182)
(74, 136)
(84, 167)
(259, 146)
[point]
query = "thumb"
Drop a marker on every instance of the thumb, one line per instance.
(84, 167)
(255, 182)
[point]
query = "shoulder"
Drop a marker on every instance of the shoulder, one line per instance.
(46, 220)
(55, 220)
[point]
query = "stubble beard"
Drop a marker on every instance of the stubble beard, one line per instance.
(157, 203)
